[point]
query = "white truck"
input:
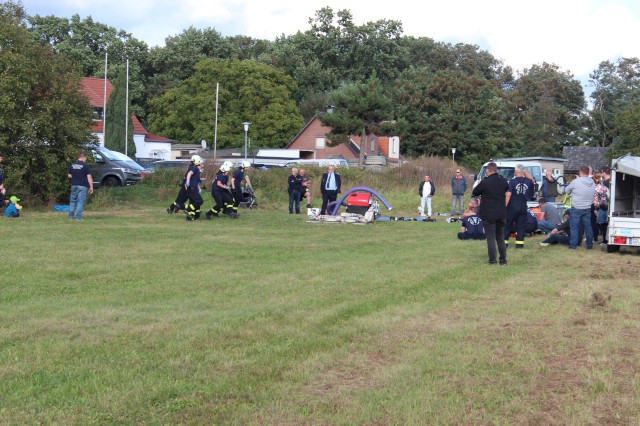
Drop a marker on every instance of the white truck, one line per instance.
(624, 204)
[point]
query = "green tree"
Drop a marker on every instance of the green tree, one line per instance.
(44, 120)
(114, 134)
(448, 109)
(248, 92)
(360, 109)
(548, 104)
(335, 50)
(627, 124)
(616, 88)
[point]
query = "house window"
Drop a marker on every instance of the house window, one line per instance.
(97, 114)
(319, 143)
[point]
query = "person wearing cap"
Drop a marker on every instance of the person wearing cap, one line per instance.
(13, 208)
(81, 183)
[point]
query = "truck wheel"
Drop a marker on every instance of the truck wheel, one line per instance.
(111, 182)
(612, 248)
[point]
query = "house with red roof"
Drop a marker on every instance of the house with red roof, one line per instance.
(148, 145)
(312, 143)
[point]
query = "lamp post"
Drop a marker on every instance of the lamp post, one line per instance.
(453, 154)
(246, 137)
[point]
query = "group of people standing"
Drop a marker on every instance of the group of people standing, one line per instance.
(299, 187)
(588, 215)
(225, 190)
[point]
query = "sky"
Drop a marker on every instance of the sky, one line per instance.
(576, 35)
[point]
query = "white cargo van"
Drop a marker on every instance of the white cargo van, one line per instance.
(624, 204)
(506, 169)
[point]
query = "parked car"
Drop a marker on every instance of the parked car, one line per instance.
(319, 162)
(169, 164)
(130, 161)
(110, 170)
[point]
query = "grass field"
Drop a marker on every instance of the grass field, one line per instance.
(134, 316)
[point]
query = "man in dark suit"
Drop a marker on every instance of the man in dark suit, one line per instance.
(493, 189)
(330, 188)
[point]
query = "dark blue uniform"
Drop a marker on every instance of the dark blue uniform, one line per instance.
(183, 194)
(236, 190)
(474, 228)
(222, 197)
(521, 189)
(193, 192)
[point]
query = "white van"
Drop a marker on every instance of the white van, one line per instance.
(320, 162)
(506, 169)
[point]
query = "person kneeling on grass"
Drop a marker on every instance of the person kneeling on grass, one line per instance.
(560, 234)
(472, 228)
(13, 208)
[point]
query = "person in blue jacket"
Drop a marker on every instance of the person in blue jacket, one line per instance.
(13, 208)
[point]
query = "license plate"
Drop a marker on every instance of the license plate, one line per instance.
(635, 241)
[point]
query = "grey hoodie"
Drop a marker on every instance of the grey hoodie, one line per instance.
(581, 191)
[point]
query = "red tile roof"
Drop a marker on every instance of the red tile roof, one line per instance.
(93, 89)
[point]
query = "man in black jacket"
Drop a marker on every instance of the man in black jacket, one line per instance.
(330, 188)
(493, 190)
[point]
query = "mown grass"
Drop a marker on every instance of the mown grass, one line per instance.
(135, 316)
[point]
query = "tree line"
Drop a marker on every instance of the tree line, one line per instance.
(434, 95)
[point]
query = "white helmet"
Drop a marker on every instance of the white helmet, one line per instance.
(225, 168)
(227, 164)
(246, 165)
(196, 159)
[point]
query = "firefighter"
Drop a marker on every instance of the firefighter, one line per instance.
(183, 193)
(192, 185)
(236, 184)
(520, 191)
(221, 194)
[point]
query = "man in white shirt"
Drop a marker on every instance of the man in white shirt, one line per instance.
(426, 190)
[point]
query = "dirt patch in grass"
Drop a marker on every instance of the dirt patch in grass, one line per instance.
(579, 366)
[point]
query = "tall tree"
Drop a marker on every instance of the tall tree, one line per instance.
(44, 120)
(627, 124)
(360, 109)
(335, 50)
(249, 91)
(549, 106)
(114, 134)
(616, 88)
(448, 109)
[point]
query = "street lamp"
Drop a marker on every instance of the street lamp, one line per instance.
(246, 137)
(453, 153)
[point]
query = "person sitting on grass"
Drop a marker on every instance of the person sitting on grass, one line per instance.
(13, 208)
(472, 226)
(561, 234)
